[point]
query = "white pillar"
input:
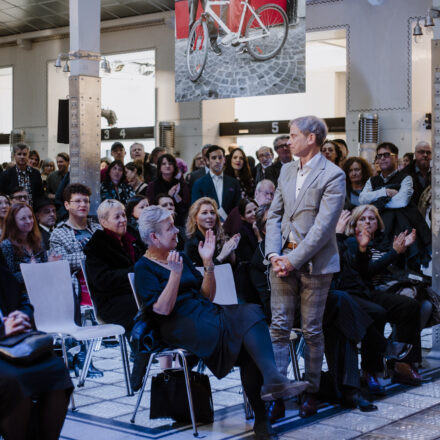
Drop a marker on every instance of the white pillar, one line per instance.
(85, 96)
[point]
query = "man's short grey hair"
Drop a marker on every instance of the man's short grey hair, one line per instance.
(150, 220)
(137, 143)
(264, 148)
(21, 146)
(106, 206)
(279, 138)
(263, 182)
(422, 144)
(312, 124)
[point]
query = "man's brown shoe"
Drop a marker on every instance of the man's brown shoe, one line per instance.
(404, 373)
(276, 410)
(309, 406)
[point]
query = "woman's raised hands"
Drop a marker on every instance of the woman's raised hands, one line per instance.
(207, 248)
(175, 262)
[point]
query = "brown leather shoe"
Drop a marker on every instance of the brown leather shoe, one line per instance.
(276, 410)
(404, 373)
(309, 406)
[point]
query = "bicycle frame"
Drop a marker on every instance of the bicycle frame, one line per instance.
(218, 20)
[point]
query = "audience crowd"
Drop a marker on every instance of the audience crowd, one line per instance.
(215, 214)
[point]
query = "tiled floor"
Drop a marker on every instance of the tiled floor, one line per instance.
(104, 411)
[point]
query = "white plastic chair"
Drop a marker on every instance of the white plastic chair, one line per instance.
(167, 352)
(50, 290)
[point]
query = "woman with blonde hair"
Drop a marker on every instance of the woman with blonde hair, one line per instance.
(203, 216)
(373, 271)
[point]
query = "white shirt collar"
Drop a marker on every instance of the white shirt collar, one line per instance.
(311, 163)
(214, 176)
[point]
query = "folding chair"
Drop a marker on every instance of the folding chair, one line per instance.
(167, 352)
(121, 338)
(50, 290)
(226, 294)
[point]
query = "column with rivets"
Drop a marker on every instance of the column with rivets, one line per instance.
(85, 96)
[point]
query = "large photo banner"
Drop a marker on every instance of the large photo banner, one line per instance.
(234, 48)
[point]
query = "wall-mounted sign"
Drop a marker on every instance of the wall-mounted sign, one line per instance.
(335, 125)
(116, 134)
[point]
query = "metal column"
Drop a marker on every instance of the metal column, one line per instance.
(85, 96)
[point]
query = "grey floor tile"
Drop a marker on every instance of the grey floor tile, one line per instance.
(374, 436)
(227, 399)
(106, 409)
(412, 400)
(320, 431)
(390, 410)
(108, 364)
(131, 400)
(106, 392)
(110, 377)
(356, 422)
(428, 389)
(410, 431)
(425, 418)
(143, 419)
(82, 399)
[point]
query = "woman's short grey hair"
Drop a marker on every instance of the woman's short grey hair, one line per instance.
(312, 124)
(150, 220)
(105, 207)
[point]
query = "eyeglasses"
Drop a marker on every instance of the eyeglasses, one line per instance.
(78, 202)
(22, 198)
(384, 155)
(424, 152)
(281, 146)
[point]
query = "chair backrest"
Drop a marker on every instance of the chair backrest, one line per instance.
(49, 286)
(133, 288)
(225, 292)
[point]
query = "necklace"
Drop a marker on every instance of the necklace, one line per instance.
(151, 257)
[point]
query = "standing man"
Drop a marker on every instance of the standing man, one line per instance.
(46, 214)
(118, 151)
(137, 151)
(197, 174)
(225, 190)
(22, 175)
(54, 179)
(420, 169)
(284, 156)
(265, 157)
(301, 247)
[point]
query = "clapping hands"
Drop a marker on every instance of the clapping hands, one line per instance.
(229, 247)
(403, 240)
(344, 218)
(175, 262)
(207, 248)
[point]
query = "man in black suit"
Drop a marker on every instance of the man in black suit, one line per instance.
(22, 175)
(225, 190)
(265, 158)
(284, 156)
(46, 214)
(197, 174)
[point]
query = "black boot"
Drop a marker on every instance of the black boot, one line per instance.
(139, 368)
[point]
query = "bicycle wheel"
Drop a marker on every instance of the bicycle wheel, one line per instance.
(266, 43)
(197, 49)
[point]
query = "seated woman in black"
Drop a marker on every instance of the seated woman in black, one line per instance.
(166, 201)
(249, 234)
(202, 216)
(357, 171)
(363, 261)
(179, 299)
(47, 381)
(110, 256)
(133, 210)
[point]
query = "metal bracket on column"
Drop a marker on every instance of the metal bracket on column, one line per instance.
(85, 134)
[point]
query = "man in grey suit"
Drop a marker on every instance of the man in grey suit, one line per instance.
(301, 247)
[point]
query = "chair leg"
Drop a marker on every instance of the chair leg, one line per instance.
(248, 411)
(63, 347)
(98, 344)
(188, 391)
(125, 363)
(87, 360)
(294, 359)
(144, 384)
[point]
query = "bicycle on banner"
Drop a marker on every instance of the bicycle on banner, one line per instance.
(264, 36)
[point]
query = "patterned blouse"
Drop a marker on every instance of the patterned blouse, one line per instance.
(123, 192)
(13, 259)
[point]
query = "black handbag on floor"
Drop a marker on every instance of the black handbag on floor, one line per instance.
(169, 398)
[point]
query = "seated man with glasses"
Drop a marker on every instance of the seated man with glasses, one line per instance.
(391, 192)
(68, 240)
(19, 194)
(284, 156)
